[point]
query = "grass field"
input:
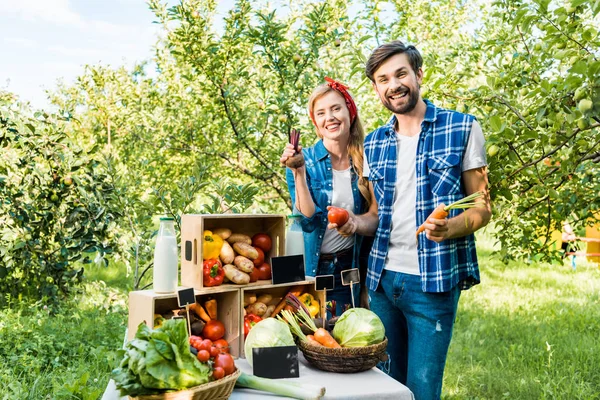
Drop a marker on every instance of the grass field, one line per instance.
(529, 331)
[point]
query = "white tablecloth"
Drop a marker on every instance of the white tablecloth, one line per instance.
(372, 384)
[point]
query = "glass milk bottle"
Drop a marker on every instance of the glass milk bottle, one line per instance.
(294, 238)
(166, 259)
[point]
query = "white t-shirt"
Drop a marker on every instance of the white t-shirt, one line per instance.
(342, 197)
(402, 253)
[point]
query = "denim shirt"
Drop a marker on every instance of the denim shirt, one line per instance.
(319, 178)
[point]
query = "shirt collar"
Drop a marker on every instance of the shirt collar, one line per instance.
(430, 116)
(320, 150)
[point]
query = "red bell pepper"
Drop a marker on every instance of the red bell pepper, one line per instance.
(213, 272)
(249, 321)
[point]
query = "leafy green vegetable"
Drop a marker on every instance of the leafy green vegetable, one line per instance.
(358, 327)
(159, 360)
(268, 333)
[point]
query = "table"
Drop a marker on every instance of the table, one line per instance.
(371, 384)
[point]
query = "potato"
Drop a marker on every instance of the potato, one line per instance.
(243, 264)
(245, 250)
(238, 237)
(223, 232)
(269, 311)
(227, 255)
(265, 298)
(235, 275)
(249, 298)
(257, 309)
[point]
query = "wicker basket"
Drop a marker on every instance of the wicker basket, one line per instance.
(345, 359)
(217, 390)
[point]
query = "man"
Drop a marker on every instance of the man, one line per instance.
(423, 157)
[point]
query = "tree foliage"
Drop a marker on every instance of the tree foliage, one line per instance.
(225, 99)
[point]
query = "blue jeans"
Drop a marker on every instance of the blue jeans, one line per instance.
(341, 294)
(418, 326)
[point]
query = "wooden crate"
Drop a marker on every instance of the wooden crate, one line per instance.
(143, 304)
(278, 292)
(192, 226)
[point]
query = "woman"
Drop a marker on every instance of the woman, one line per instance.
(331, 176)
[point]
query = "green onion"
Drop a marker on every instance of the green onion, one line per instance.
(287, 316)
(296, 390)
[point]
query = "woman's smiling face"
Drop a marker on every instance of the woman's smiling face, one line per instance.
(332, 116)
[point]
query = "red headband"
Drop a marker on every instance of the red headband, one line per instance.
(343, 90)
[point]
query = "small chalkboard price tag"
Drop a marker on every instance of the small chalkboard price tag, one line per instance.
(324, 282)
(185, 297)
(350, 277)
(275, 362)
(287, 269)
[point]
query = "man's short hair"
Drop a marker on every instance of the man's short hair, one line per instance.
(387, 50)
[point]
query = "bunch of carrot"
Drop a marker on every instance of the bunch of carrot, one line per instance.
(320, 337)
(442, 210)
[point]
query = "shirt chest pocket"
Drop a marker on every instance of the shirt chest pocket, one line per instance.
(444, 174)
(319, 191)
(376, 177)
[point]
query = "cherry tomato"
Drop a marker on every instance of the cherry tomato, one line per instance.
(337, 215)
(264, 271)
(222, 345)
(225, 361)
(218, 373)
(213, 330)
(203, 356)
(214, 350)
(261, 257)
(206, 344)
(262, 241)
(254, 274)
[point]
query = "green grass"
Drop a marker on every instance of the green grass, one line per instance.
(528, 331)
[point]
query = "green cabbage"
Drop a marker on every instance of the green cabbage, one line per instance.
(269, 332)
(358, 327)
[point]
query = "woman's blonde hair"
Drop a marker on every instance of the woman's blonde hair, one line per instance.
(355, 144)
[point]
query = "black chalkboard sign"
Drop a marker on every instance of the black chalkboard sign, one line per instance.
(275, 362)
(286, 269)
(324, 282)
(185, 297)
(350, 276)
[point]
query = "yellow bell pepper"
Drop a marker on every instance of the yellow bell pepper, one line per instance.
(311, 303)
(211, 245)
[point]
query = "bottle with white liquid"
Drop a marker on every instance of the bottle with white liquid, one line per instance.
(294, 237)
(166, 259)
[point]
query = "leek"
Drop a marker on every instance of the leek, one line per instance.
(296, 390)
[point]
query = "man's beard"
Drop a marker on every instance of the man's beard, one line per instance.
(413, 100)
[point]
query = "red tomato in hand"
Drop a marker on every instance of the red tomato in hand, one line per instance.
(337, 215)
(225, 361)
(264, 271)
(262, 241)
(213, 330)
(261, 257)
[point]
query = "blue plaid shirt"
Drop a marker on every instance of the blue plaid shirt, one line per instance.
(442, 143)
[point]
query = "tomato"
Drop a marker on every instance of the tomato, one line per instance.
(261, 257)
(213, 330)
(218, 373)
(222, 345)
(225, 361)
(254, 275)
(206, 344)
(337, 215)
(264, 271)
(203, 356)
(262, 241)
(214, 350)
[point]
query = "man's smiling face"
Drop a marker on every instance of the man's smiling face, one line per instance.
(397, 85)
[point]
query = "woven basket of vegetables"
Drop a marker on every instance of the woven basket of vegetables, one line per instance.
(217, 390)
(357, 342)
